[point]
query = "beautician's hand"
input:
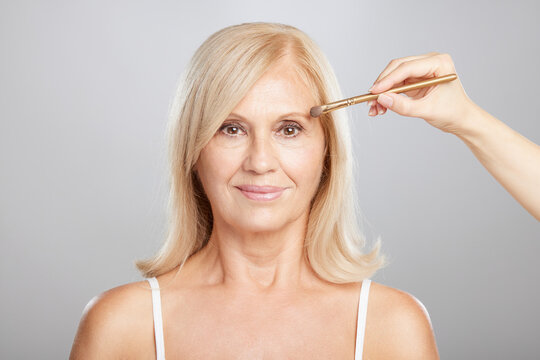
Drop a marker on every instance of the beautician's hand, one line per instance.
(512, 159)
(444, 106)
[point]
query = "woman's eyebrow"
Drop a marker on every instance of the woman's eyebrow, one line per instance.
(303, 115)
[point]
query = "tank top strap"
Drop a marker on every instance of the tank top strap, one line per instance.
(361, 322)
(158, 320)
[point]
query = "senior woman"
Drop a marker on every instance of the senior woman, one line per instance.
(263, 257)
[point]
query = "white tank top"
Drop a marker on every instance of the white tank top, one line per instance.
(158, 320)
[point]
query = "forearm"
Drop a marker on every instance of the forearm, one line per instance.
(511, 158)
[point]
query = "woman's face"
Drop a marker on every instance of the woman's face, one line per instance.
(262, 167)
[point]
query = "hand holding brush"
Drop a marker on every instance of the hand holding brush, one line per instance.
(441, 101)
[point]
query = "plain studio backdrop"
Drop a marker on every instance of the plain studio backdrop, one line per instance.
(85, 91)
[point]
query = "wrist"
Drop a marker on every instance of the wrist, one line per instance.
(477, 123)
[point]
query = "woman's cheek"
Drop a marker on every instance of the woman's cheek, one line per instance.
(220, 163)
(305, 160)
(227, 161)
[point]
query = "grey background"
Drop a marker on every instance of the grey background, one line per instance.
(84, 94)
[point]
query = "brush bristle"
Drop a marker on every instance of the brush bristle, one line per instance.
(315, 111)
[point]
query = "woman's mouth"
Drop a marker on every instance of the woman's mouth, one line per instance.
(261, 193)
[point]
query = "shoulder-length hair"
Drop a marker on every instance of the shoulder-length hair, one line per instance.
(219, 75)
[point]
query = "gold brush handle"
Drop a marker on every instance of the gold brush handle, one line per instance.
(323, 109)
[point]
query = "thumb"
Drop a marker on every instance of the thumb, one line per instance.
(400, 104)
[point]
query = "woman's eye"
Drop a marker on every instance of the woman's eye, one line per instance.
(287, 130)
(231, 130)
(291, 130)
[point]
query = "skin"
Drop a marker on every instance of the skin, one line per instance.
(508, 156)
(249, 294)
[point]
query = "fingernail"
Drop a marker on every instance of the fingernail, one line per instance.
(385, 100)
(375, 84)
(372, 112)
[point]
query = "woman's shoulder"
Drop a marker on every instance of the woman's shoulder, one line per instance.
(397, 302)
(399, 324)
(117, 322)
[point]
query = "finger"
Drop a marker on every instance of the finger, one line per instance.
(419, 68)
(396, 62)
(379, 109)
(401, 104)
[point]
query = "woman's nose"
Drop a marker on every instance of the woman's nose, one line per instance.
(261, 156)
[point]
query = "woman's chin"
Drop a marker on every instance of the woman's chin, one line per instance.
(258, 224)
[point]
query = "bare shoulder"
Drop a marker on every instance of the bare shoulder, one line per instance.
(116, 323)
(398, 326)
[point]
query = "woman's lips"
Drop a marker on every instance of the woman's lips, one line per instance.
(261, 193)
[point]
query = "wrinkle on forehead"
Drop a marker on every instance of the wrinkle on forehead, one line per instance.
(279, 91)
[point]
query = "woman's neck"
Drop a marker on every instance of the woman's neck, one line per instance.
(257, 262)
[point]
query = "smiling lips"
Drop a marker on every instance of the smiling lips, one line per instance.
(261, 193)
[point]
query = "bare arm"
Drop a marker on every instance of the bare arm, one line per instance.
(95, 332)
(399, 327)
(117, 324)
(512, 159)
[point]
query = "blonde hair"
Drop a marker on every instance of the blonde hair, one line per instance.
(220, 74)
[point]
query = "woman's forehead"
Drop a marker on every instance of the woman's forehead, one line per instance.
(279, 90)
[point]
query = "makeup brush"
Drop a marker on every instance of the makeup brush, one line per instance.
(316, 111)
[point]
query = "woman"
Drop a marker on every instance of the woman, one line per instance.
(263, 258)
